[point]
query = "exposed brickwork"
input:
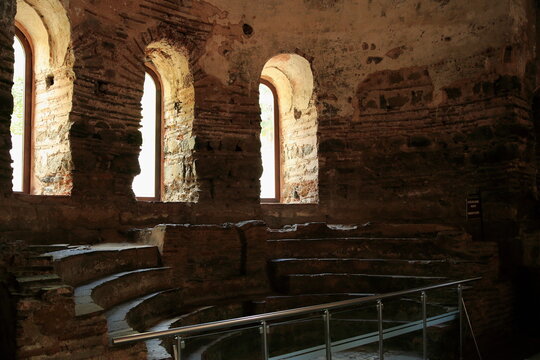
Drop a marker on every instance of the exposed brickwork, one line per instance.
(64, 337)
(213, 257)
(416, 139)
(412, 109)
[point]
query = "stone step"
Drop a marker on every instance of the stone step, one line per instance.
(153, 309)
(371, 229)
(204, 314)
(439, 267)
(41, 249)
(125, 318)
(368, 248)
(358, 283)
(40, 260)
(39, 281)
(34, 271)
(160, 349)
(197, 315)
(121, 287)
(383, 248)
(156, 348)
(81, 264)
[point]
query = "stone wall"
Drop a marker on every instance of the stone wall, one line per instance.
(211, 260)
(416, 107)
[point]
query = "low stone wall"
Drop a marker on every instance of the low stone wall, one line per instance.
(213, 261)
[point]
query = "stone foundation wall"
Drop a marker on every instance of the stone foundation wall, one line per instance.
(211, 260)
(415, 109)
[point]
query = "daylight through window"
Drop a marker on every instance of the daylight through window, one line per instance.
(20, 116)
(269, 143)
(146, 184)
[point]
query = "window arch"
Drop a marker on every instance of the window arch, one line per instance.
(148, 184)
(21, 118)
(178, 178)
(297, 158)
(48, 164)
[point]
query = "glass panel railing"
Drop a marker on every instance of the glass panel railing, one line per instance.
(354, 332)
(404, 325)
(299, 338)
(241, 344)
(442, 321)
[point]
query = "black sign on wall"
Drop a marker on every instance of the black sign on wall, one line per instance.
(475, 224)
(474, 207)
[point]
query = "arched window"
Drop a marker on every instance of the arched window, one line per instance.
(147, 185)
(43, 164)
(296, 161)
(178, 181)
(270, 143)
(21, 118)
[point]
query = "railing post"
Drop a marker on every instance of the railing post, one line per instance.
(177, 348)
(327, 338)
(424, 323)
(381, 336)
(264, 333)
(460, 308)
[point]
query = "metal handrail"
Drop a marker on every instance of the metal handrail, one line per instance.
(230, 323)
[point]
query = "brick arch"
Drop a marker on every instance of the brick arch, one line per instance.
(173, 55)
(292, 76)
(171, 61)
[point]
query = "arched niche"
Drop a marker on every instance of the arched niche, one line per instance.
(179, 175)
(48, 29)
(292, 77)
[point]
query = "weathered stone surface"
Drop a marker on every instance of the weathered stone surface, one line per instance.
(213, 255)
(410, 108)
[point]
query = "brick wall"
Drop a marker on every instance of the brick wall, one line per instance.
(211, 260)
(406, 125)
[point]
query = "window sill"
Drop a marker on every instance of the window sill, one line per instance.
(149, 200)
(265, 203)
